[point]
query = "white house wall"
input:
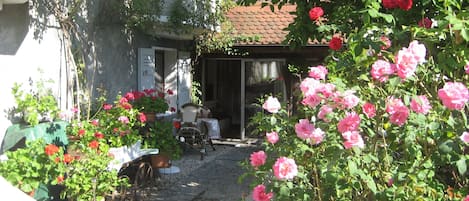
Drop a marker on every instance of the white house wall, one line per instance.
(23, 49)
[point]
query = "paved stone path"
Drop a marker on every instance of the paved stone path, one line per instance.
(213, 179)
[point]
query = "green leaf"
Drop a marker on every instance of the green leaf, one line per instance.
(462, 167)
(273, 120)
(284, 190)
(447, 146)
(352, 167)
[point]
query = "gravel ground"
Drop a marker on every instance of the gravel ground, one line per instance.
(213, 179)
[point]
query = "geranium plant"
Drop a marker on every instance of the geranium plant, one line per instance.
(385, 116)
(37, 163)
(148, 100)
(114, 125)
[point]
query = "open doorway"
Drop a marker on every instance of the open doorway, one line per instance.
(222, 94)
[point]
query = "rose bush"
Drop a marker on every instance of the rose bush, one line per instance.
(388, 122)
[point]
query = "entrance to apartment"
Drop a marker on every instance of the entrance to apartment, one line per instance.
(232, 88)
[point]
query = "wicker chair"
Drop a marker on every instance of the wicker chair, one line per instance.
(190, 132)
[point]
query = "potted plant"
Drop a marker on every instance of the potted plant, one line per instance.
(160, 136)
(36, 105)
(148, 101)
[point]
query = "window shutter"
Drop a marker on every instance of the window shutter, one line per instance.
(146, 68)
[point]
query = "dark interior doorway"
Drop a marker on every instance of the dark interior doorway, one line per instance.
(223, 94)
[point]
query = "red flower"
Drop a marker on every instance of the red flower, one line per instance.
(425, 23)
(177, 124)
(107, 106)
(390, 4)
(149, 91)
(126, 106)
(173, 109)
(60, 179)
(99, 135)
(161, 95)
(93, 144)
(315, 13)
(57, 160)
(170, 92)
(405, 4)
(129, 96)
(81, 132)
(335, 43)
(68, 158)
(51, 149)
(142, 117)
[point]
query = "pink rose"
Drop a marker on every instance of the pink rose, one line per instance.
(285, 168)
(95, 122)
(271, 104)
(380, 70)
(392, 104)
(258, 158)
(406, 64)
(325, 109)
(272, 137)
(399, 117)
(311, 100)
(318, 72)
(467, 68)
(419, 51)
(349, 99)
(327, 89)
(369, 110)
(317, 136)
(107, 106)
(123, 119)
(420, 104)
(308, 86)
(304, 129)
(315, 13)
(258, 194)
(353, 138)
(454, 95)
(351, 122)
(465, 137)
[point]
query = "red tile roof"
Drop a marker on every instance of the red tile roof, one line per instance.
(256, 21)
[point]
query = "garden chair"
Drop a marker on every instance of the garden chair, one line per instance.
(190, 132)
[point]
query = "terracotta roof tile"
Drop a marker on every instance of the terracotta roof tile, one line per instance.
(254, 20)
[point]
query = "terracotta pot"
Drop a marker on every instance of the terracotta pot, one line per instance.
(160, 161)
(151, 117)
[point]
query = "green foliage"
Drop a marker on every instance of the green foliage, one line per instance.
(89, 178)
(28, 167)
(160, 136)
(196, 93)
(37, 104)
(139, 13)
(422, 159)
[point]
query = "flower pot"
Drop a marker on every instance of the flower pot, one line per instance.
(151, 117)
(160, 161)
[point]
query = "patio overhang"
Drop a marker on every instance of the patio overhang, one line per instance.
(11, 2)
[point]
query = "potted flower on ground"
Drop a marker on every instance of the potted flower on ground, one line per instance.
(160, 136)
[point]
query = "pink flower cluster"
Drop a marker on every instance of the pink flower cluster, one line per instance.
(349, 127)
(420, 104)
(306, 131)
(397, 110)
(406, 60)
(272, 137)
